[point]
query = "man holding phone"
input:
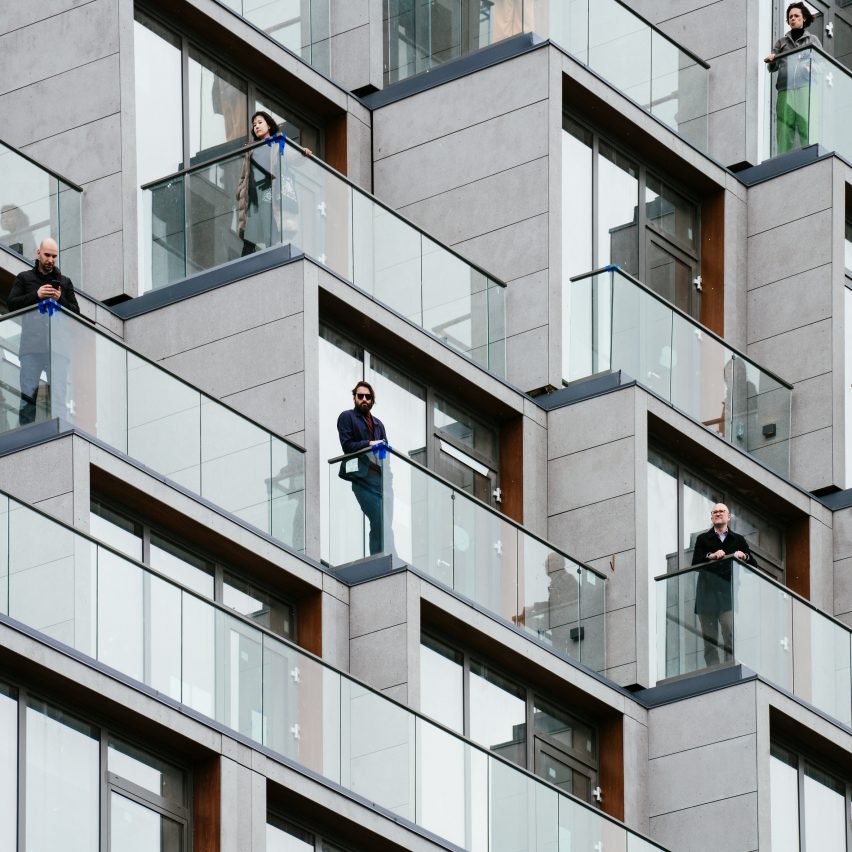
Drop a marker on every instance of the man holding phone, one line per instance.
(43, 281)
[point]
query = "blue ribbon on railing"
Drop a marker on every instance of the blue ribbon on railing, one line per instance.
(280, 138)
(49, 307)
(380, 450)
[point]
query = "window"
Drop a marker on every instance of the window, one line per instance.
(65, 769)
(426, 427)
(282, 835)
(190, 568)
(472, 698)
(191, 108)
(680, 502)
(638, 221)
(810, 807)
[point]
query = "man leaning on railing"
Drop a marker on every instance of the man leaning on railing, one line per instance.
(44, 283)
(713, 593)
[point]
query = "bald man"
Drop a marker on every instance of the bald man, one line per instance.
(713, 594)
(43, 281)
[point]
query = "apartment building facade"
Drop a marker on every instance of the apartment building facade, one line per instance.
(594, 258)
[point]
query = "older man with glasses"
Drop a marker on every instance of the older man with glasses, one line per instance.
(358, 429)
(713, 596)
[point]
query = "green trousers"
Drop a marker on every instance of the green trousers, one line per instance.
(794, 113)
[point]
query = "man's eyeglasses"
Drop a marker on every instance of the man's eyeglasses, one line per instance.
(718, 512)
(366, 396)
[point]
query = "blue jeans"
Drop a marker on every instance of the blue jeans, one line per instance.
(370, 500)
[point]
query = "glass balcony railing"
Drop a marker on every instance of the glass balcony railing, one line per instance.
(394, 506)
(193, 225)
(608, 36)
(729, 612)
(302, 26)
(224, 666)
(811, 101)
(60, 366)
(36, 204)
(615, 323)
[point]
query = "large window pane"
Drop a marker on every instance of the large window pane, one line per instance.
(181, 565)
(8, 768)
(120, 532)
(283, 836)
(218, 107)
(146, 771)
(258, 605)
(62, 781)
(783, 782)
(135, 828)
(825, 811)
(441, 683)
(617, 220)
(497, 713)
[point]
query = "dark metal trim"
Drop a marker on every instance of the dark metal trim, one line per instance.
(44, 168)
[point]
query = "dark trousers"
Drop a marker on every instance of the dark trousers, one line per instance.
(370, 500)
(32, 366)
(712, 623)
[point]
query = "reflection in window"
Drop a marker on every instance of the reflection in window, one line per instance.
(218, 107)
(442, 683)
(62, 780)
(181, 565)
(618, 206)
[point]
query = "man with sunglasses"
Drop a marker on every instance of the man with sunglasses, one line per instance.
(358, 429)
(713, 595)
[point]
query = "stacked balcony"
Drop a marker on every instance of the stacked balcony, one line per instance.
(192, 224)
(774, 632)
(613, 322)
(467, 547)
(225, 667)
(106, 390)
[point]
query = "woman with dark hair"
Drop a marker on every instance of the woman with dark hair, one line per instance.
(795, 104)
(259, 222)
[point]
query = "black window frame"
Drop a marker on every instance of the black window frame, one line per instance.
(219, 569)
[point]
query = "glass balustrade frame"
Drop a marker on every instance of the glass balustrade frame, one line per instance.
(523, 612)
(70, 243)
(428, 266)
(593, 332)
(753, 618)
(824, 73)
(330, 704)
(81, 329)
(570, 29)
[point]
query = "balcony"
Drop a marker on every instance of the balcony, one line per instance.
(223, 666)
(812, 105)
(606, 35)
(302, 27)
(774, 632)
(191, 225)
(613, 322)
(108, 391)
(35, 204)
(423, 521)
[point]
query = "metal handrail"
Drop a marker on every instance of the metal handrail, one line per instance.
(674, 309)
(44, 168)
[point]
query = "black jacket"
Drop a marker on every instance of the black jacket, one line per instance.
(24, 294)
(713, 589)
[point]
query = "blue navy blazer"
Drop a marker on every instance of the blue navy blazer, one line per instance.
(354, 435)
